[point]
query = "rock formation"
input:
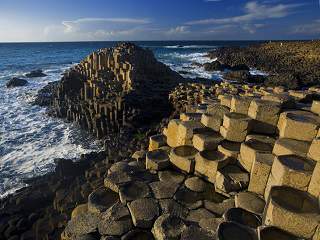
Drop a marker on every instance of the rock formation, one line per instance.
(114, 87)
(16, 82)
(241, 162)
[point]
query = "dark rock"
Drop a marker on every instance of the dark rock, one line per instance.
(214, 66)
(101, 199)
(35, 74)
(242, 217)
(16, 82)
(240, 76)
(240, 67)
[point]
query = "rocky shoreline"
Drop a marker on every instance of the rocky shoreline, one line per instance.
(292, 64)
(181, 159)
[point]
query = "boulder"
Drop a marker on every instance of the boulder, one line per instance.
(16, 82)
(250, 201)
(115, 221)
(292, 210)
(168, 227)
(183, 157)
(35, 74)
(101, 199)
(209, 162)
(144, 211)
(157, 160)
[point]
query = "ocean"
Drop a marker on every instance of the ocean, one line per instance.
(29, 139)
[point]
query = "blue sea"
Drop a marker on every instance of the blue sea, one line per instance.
(29, 139)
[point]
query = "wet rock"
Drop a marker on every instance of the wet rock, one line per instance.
(35, 74)
(16, 82)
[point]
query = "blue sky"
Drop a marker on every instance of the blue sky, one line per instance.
(88, 20)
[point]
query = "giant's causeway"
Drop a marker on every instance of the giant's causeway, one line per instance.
(182, 158)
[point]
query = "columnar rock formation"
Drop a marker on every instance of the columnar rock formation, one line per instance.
(114, 87)
(241, 162)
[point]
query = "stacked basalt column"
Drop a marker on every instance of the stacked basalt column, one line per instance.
(111, 86)
(267, 146)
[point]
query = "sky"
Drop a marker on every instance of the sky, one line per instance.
(117, 20)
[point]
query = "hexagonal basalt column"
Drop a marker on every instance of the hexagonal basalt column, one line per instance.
(208, 163)
(157, 160)
(235, 127)
(240, 104)
(274, 233)
(183, 157)
(292, 210)
(207, 141)
(232, 231)
(287, 146)
(265, 114)
(299, 127)
(290, 170)
(252, 150)
(314, 150)
(212, 121)
(157, 141)
(186, 130)
(171, 133)
(315, 108)
(314, 185)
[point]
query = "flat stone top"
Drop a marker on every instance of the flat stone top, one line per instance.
(185, 151)
(259, 146)
(158, 154)
(212, 155)
(232, 146)
(294, 200)
(271, 233)
(297, 163)
(301, 118)
(232, 231)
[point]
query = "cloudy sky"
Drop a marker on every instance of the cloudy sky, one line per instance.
(98, 20)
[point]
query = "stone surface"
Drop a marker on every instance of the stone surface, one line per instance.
(316, 107)
(101, 199)
(183, 157)
(206, 141)
(193, 232)
(209, 162)
(219, 208)
(230, 149)
(212, 121)
(292, 210)
(314, 184)
(230, 179)
(271, 233)
(196, 215)
(157, 141)
(252, 150)
(189, 199)
(243, 217)
(144, 212)
(168, 227)
(172, 136)
(299, 127)
(170, 206)
(210, 224)
(170, 177)
(163, 189)
(240, 104)
(157, 160)
(16, 82)
(133, 190)
(287, 146)
(115, 221)
(260, 172)
(186, 130)
(232, 231)
(250, 202)
(314, 150)
(196, 184)
(82, 224)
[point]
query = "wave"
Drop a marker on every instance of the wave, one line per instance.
(190, 46)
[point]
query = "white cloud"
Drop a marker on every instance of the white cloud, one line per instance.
(178, 30)
(308, 29)
(253, 11)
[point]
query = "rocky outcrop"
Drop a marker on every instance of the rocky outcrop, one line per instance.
(35, 74)
(115, 87)
(290, 64)
(16, 82)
